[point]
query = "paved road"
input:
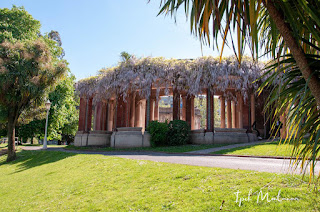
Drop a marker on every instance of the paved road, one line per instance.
(245, 163)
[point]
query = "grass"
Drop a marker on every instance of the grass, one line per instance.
(168, 149)
(264, 149)
(2, 146)
(58, 181)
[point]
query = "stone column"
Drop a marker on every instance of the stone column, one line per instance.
(283, 130)
(82, 114)
(151, 109)
(127, 110)
(183, 108)
(234, 114)
(143, 115)
(176, 105)
(253, 109)
(156, 110)
(147, 113)
(229, 116)
(223, 112)
(240, 102)
(190, 111)
(104, 116)
(88, 115)
(210, 111)
(98, 116)
(132, 109)
(137, 119)
(111, 113)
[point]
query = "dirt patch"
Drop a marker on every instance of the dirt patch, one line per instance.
(3, 152)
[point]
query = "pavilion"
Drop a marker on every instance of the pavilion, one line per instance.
(117, 105)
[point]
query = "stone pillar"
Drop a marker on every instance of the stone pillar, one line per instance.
(132, 109)
(210, 111)
(156, 110)
(137, 120)
(283, 130)
(229, 116)
(147, 113)
(223, 112)
(143, 113)
(98, 116)
(151, 109)
(88, 115)
(111, 112)
(240, 102)
(253, 109)
(176, 105)
(82, 114)
(104, 116)
(127, 111)
(234, 114)
(115, 115)
(190, 111)
(183, 108)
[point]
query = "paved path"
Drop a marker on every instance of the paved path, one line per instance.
(255, 164)
(207, 151)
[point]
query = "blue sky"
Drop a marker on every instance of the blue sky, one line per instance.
(95, 32)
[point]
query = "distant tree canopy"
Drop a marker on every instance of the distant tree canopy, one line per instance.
(30, 67)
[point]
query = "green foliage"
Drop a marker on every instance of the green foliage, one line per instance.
(292, 98)
(178, 133)
(63, 118)
(30, 67)
(158, 132)
(17, 24)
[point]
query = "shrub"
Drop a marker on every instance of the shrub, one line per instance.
(158, 132)
(178, 133)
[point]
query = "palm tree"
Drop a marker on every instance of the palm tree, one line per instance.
(289, 31)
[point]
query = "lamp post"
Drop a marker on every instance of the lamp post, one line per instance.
(48, 104)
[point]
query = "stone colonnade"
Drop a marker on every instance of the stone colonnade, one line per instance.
(132, 113)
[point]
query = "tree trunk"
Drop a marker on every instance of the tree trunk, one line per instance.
(295, 49)
(11, 139)
(31, 141)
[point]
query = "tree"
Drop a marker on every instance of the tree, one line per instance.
(17, 24)
(63, 119)
(280, 27)
(29, 68)
(63, 116)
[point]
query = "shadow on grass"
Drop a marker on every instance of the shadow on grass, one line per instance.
(29, 159)
(162, 149)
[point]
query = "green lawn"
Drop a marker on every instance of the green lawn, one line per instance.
(265, 149)
(58, 181)
(2, 146)
(169, 149)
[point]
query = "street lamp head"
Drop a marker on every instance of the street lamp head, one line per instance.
(48, 104)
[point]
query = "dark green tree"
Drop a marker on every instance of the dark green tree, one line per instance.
(29, 67)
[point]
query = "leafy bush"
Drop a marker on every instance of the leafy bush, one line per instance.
(178, 133)
(158, 132)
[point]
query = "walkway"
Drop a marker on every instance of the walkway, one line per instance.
(208, 151)
(254, 164)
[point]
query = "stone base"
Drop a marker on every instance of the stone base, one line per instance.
(129, 137)
(201, 137)
(93, 138)
(222, 136)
